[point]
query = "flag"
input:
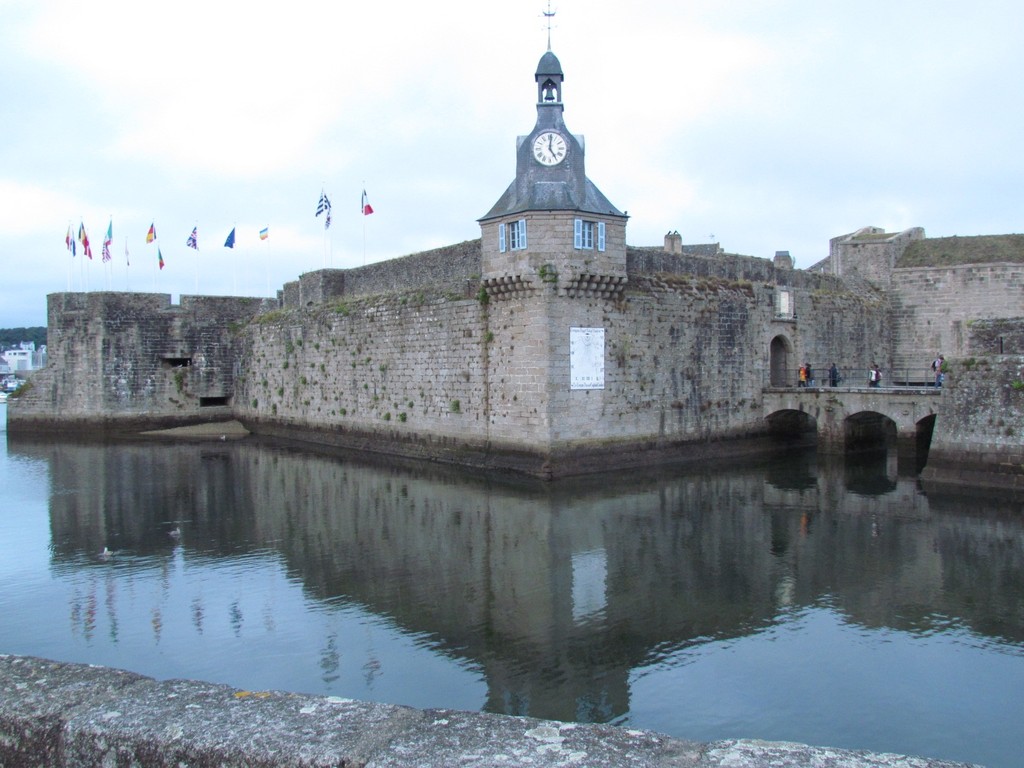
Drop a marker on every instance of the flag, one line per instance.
(367, 208)
(127, 261)
(84, 239)
(107, 241)
(230, 242)
(69, 241)
(160, 257)
(151, 235)
(264, 233)
(193, 239)
(324, 206)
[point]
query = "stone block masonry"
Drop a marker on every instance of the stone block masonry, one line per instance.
(934, 306)
(120, 362)
(396, 368)
(433, 375)
(980, 440)
(72, 715)
(438, 367)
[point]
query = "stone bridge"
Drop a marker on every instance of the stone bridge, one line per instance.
(846, 416)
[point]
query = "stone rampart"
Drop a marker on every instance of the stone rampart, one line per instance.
(374, 373)
(426, 374)
(996, 337)
(73, 715)
(980, 438)
(454, 268)
(651, 261)
(870, 254)
(410, 358)
(123, 361)
(933, 307)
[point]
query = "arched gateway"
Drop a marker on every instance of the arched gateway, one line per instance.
(780, 352)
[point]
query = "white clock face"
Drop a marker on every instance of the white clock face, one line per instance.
(549, 148)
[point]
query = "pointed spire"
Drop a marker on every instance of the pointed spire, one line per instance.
(549, 15)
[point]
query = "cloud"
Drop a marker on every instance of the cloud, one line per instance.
(770, 124)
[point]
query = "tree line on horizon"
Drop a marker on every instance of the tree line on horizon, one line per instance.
(12, 337)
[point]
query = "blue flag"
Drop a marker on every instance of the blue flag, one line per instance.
(230, 242)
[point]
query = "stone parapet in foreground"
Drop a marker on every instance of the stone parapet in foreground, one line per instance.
(59, 714)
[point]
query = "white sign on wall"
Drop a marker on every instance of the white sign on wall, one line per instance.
(586, 358)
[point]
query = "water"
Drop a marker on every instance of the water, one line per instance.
(786, 600)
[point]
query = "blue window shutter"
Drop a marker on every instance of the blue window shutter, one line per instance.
(522, 234)
(501, 238)
(577, 233)
(600, 235)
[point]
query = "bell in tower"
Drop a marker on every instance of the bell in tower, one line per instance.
(549, 79)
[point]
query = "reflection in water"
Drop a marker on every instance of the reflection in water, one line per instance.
(567, 600)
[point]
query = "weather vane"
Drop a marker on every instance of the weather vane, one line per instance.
(549, 15)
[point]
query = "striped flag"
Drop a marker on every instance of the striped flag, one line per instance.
(69, 241)
(84, 239)
(159, 257)
(107, 241)
(151, 235)
(324, 206)
(193, 239)
(264, 233)
(367, 208)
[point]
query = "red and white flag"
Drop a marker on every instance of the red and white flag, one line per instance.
(367, 208)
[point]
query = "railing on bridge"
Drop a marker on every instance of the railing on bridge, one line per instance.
(858, 377)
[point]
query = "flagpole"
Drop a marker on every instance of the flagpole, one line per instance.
(197, 257)
(67, 246)
(81, 267)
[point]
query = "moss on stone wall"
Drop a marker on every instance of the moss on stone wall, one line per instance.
(951, 251)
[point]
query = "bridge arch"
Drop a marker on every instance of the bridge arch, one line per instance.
(854, 418)
(791, 423)
(868, 429)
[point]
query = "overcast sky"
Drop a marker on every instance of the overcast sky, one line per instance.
(761, 124)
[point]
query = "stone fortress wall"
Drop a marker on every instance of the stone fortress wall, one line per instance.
(933, 309)
(132, 360)
(432, 369)
(411, 357)
(466, 353)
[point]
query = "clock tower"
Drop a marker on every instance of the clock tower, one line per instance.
(553, 252)
(552, 228)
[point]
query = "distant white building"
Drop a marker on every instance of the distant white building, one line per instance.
(25, 357)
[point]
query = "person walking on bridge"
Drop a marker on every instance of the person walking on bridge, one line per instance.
(937, 364)
(833, 375)
(875, 375)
